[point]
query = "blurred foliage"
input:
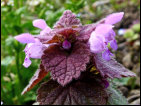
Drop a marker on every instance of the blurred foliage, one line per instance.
(16, 18)
(118, 4)
(132, 33)
(129, 82)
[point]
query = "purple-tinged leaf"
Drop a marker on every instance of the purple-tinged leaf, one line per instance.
(87, 30)
(111, 68)
(46, 37)
(68, 19)
(38, 76)
(59, 35)
(65, 65)
(85, 91)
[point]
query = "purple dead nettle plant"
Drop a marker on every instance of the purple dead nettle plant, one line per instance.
(77, 57)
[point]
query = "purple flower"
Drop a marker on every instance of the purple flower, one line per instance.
(40, 23)
(105, 83)
(34, 48)
(25, 38)
(104, 34)
(66, 45)
(67, 49)
(106, 54)
(114, 18)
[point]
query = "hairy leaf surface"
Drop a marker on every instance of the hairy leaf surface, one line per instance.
(115, 97)
(85, 91)
(38, 76)
(111, 68)
(65, 66)
(68, 19)
(86, 30)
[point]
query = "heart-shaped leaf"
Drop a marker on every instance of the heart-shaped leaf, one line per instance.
(85, 91)
(65, 66)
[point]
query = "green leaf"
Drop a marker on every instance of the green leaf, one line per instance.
(116, 98)
(20, 10)
(122, 81)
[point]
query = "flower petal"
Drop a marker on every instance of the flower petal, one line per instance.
(25, 38)
(40, 23)
(113, 44)
(114, 18)
(106, 83)
(106, 55)
(103, 29)
(34, 50)
(110, 36)
(45, 31)
(96, 43)
(27, 62)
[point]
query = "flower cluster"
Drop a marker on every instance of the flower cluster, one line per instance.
(68, 48)
(104, 35)
(34, 48)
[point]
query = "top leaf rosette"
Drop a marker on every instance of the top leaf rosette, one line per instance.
(69, 47)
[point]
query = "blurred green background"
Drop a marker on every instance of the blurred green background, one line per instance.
(17, 17)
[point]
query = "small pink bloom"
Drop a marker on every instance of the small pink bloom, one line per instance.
(40, 23)
(100, 38)
(106, 83)
(27, 62)
(106, 55)
(66, 45)
(114, 18)
(98, 41)
(33, 49)
(113, 44)
(25, 38)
